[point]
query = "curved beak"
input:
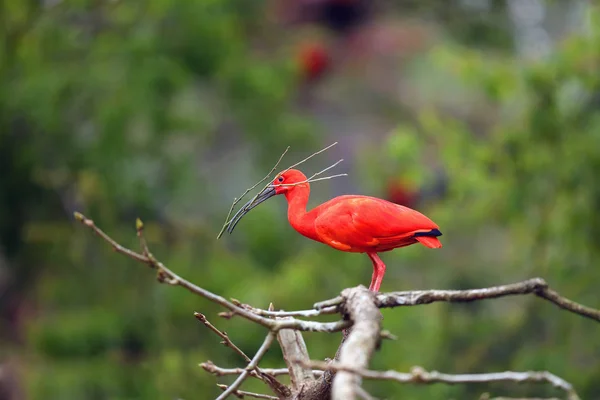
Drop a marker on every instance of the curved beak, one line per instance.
(262, 196)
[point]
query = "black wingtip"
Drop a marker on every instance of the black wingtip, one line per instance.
(431, 233)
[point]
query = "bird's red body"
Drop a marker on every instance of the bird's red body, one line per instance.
(352, 223)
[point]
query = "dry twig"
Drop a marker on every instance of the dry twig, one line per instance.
(270, 380)
(298, 313)
(223, 335)
(218, 371)
(242, 393)
(419, 376)
(251, 366)
(229, 221)
(313, 176)
(251, 188)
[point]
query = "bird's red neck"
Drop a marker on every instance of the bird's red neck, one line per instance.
(300, 220)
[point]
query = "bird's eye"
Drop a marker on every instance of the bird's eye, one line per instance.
(280, 179)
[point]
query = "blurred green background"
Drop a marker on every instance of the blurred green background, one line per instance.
(484, 114)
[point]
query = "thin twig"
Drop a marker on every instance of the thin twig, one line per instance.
(226, 341)
(251, 366)
(139, 227)
(298, 313)
(165, 275)
(269, 379)
(116, 246)
(229, 221)
(242, 393)
(336, 301)
(419, 376)
(238, 199)
(313, 176)
(310, 180)
(309, 157)
(210, 367)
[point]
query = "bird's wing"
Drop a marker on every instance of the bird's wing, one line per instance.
(361, 221)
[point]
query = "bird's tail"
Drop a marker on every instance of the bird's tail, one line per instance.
(428, 241)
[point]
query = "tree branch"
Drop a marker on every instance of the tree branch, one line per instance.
(165, 275)
(361, 341)
(293, 348)
(536, 286)
(419, 376)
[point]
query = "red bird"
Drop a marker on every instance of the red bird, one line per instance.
(358, 224)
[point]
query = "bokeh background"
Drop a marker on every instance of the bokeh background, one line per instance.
(484, 114)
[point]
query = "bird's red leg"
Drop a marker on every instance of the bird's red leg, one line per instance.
(378, 272)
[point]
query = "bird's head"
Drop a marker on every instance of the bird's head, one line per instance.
(285, 183)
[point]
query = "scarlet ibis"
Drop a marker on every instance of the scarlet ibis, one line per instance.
(351, 223)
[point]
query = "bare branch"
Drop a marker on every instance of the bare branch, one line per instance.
(536, 286)
(360, 343)
(242, 393)
(419, 376)
(299, 313)
(251, 366)
(165, 275)
(293, 348)
(238, 199)
(116, 246)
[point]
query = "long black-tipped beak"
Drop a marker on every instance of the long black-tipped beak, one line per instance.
(262, 196)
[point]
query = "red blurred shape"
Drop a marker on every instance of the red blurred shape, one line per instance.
(314, 61)
(400, 192)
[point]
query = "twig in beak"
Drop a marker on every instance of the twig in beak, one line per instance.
(229, 222)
